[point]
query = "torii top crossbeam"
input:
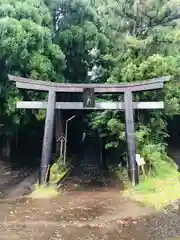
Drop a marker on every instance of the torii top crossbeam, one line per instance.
(25, 83)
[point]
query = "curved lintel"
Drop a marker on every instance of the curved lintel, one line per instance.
(25, 83)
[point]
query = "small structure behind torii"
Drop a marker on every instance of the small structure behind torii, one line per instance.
(89, 102)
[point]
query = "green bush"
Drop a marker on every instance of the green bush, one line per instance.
(158, 164)
(58, 170)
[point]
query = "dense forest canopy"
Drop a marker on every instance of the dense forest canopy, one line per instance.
(94, 41)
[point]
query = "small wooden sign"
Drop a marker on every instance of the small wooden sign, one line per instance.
(88, 97)
(140, 160)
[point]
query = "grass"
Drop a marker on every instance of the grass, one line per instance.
(58, 176)
(158, 191)
(57, 172)
(43, 192)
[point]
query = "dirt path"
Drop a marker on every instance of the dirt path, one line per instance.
(15, 182)
(76, 214)
(78, 211)
(79, 214)
(86, 215)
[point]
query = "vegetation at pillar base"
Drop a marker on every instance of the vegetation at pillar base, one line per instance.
(44, 192)
(58, 170)
(159, 191)
(94, 41)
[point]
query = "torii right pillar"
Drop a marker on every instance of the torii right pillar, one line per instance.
(130, 138)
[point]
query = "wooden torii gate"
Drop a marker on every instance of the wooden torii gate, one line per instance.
(128, 105)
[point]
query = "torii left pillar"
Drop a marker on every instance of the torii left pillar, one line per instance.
(48, 137)
(130, 138)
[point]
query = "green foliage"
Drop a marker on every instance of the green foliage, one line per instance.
(26, 49)
(145, 44)
(78, 34)
(157, 192)
(33, 10)
(157, 160)
(41, 114)
(121, 174)
(57, 171)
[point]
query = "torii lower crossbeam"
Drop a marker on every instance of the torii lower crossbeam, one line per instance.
(98, 105)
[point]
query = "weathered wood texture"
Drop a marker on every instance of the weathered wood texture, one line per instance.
(130, 138)
(98, 105)
(31, 84)
(48, 136)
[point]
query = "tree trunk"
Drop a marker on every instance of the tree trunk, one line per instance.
(6, 150)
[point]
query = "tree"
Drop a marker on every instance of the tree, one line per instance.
(26, 49)
(145, 36)
(77, 33)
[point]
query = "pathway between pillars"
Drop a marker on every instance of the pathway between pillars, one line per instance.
(90, 178)
(82, 215)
